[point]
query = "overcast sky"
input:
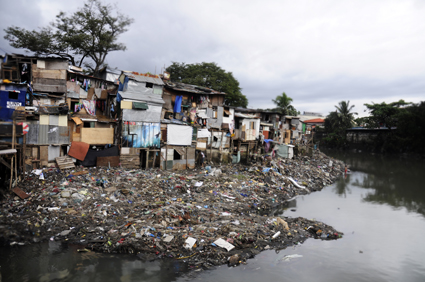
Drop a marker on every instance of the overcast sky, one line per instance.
(318, 52)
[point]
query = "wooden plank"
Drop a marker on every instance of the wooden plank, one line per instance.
(77, 120)
(97, 135)
(108, 161)
(65, 162)
(8, 151)
(90, 94)
(44, 119)
(44, 153)
(130, 161)
(50, 81)
(49, 88)
(126, 105)
(52, 74)
(72, 86)
(20, 193)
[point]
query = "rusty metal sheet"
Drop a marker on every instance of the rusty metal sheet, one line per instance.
(78, 150)
(20, 193)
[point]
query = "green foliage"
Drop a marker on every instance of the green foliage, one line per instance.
(341, 119)
(283, 103)
(337, 122)
(212, 76)
(384, 114)
(90, 33)
(411, 128)
(361, 121)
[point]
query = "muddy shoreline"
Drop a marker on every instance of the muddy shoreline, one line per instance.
(204, 218)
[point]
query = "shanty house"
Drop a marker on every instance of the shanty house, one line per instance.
(47, 126)
(91, 107)
(203, 109)
(140, 103)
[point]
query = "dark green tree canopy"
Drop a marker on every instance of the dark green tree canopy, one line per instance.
(341, 119)
(212, 76)
(337, 122)
(90, 33)
(283, 103)
(384, 114)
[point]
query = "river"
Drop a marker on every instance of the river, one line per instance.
(380, 206)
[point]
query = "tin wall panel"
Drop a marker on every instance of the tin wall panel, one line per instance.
(42, 134)
(33, 133)
(54, 152)
(63, 135)
(53, 135)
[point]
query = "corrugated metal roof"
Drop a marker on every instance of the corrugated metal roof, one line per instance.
(178, 86)
(307, 117)
(245, 115)
(144, 78)
(144, 97)
(266, 124)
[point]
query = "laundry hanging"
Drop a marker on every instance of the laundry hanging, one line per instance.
(178, 104)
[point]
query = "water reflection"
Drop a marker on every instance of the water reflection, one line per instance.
(396, 182)
(54, 261)
(341, 186)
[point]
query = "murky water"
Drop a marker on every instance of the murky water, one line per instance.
(380, 207)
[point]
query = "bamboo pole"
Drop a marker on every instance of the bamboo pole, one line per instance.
(186, 157)
(212, 138)
(166, 156)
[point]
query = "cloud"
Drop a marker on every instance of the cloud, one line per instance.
(318, 52)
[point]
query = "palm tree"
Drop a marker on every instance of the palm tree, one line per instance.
(283, 102)
(346, 117)
(338, 121)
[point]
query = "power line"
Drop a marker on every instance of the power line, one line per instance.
(5, 50)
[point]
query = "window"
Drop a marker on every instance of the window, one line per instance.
(89, 124)
(73, 104)
(177, 155)
(13, 95)
(252, 125)
(149, 85)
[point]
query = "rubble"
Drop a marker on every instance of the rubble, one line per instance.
(223, 215)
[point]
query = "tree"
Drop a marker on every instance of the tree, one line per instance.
(212, 76)
(283, 103)
(384, 114)
(90, 33)
(411, 128)
(338, 121)
(346, 117)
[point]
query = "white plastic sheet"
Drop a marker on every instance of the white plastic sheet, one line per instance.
(179, 135)
(189, 243)
(224, 244)
(203, 133)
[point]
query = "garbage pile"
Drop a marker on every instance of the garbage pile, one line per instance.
(217, 215)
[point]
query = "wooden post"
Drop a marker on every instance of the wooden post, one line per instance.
(221, 147)
(247, 152)
(154, 159)
(147, 158)
(13, 157)
(24, 145)
(166, 156)
(186, 158)
(212, 138)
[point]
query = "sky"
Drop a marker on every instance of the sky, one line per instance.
(318, 52)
